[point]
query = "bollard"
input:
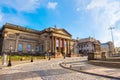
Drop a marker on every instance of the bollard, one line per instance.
(32, 59)
(70, 66)
(65, 64)
(80, 68)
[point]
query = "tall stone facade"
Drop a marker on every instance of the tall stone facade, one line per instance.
(25, 40)
(108, 48)
(89, 45)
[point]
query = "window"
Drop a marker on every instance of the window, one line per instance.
(20, 47)
(37, 48)
(29, 47)
(11, 36)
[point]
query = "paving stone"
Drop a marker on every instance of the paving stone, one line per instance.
(46, 70)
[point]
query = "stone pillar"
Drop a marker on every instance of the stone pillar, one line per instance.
(59, 45)
(63, 44)
(53, 42)
(50, 43)
(4, 59)
(70, 52)
(4, 41)
(16, 44)
(3, 46)
(64, 52)
(45, 48)
(67, 46)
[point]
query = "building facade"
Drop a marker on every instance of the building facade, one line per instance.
(108, 48)
(88, 45)
(21, 39)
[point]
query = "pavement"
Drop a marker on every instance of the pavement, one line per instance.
(14, 63)
(84, 67)
(47, 70)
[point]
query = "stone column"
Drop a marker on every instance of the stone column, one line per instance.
(45, 48)
(4, 41)
(52, 46)
(59, 45)
(55, 44)
(63, 43)
(69, 47)
(50, 42)
(65, 46)
(16, 44)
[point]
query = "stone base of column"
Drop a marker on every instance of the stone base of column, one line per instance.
(74, 55)
(58, 55)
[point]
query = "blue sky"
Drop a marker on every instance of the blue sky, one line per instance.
(81, 18)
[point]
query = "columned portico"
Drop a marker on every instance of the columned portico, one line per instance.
(60, 45)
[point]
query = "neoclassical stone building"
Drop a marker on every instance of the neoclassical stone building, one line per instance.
(21, 39)
(89, 45)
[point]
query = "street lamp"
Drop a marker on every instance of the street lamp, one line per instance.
(111, 28)
(32, 56)
(9, 62)
(44, 55)
(49, 55)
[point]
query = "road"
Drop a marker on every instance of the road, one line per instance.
(45, 70)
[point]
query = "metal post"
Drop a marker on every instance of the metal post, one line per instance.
(44, 55)
(32, 56)
(49, 55)
(9, 62)
(111, 28)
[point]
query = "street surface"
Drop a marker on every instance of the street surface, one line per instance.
(46, 70)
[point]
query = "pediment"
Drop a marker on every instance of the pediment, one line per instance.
(62, 31)
(56, 31)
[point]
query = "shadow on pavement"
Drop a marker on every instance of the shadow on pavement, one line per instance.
(33, 74)
(81, 71)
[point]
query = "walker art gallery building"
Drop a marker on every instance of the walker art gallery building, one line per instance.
(25, 40)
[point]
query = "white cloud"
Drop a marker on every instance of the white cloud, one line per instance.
(105, 13)
(14, 19)
(96, 4)
(1, 15)
(117, 37)
(21, 5)
(106, 10)
(78, 9)
(52, 5)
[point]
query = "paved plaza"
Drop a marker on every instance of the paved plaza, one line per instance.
(46, 70)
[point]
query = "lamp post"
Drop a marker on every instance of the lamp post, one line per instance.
(49, 55)
(32, 56)
(9, 62)
(44, 55)
(111, 28)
